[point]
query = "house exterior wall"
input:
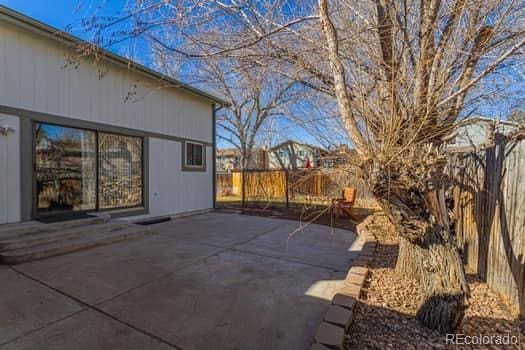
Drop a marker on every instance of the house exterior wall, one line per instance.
(259, 159)
(34, 78)
(290, 156)
(478, 132)
(9, 170)
(36, 85)
(181, 191)
(471, 135)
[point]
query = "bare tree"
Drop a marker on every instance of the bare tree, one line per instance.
(402, 73)
(255, 97)
(416, 63)
(517, 115)
(317, 118)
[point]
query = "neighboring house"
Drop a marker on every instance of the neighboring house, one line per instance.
(292, 155)
(71, 141)
(336, 158)
(227, 159)
(230, 159)
(475, 132)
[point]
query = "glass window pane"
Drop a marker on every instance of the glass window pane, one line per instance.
(120, 171)
(65, 168)
(194, 156)
(198, 155)
(189, 153)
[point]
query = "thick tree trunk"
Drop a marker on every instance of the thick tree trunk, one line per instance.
(439, 270)
(444, 284)
(432, 258)
(409, 260)
(412, 197)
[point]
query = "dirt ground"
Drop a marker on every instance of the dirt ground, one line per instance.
(317, 214)
(386, 317)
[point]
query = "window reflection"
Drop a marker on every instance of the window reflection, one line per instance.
(65, 168)
(120, 171)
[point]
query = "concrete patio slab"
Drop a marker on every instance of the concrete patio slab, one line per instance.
(213, 281)
(26, 305)
(99, 274)
(230, 301)
(219, 229)
(317, 245)
(87, 330)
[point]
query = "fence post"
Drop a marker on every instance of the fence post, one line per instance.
(286, 188)
(243, 188)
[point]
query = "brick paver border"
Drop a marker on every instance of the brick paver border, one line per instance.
(339, 317)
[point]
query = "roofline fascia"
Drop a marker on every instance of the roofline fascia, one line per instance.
(472, 120)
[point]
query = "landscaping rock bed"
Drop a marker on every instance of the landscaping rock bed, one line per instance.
(384, 317)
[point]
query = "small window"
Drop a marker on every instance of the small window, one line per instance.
(301, 153)
(194, 155)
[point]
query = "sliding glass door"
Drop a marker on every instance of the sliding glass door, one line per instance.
(120, 171)
(79, 170)
(65, 169)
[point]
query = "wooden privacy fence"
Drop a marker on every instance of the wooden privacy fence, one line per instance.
(224, 184)
(260, 184)
(288, 185)
(489, 204)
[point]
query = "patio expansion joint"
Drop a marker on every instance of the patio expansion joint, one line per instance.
(284, 259)
(88, 306)
(44, 326)
(165, 275)
(231, 246)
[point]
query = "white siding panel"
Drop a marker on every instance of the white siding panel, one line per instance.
(33, 77)
(10, 171)
(171, 190)
(4, 201)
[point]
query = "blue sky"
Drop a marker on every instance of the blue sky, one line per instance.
(63, 13)
(68, 14)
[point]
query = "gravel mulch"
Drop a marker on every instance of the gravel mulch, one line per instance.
(385, 319)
